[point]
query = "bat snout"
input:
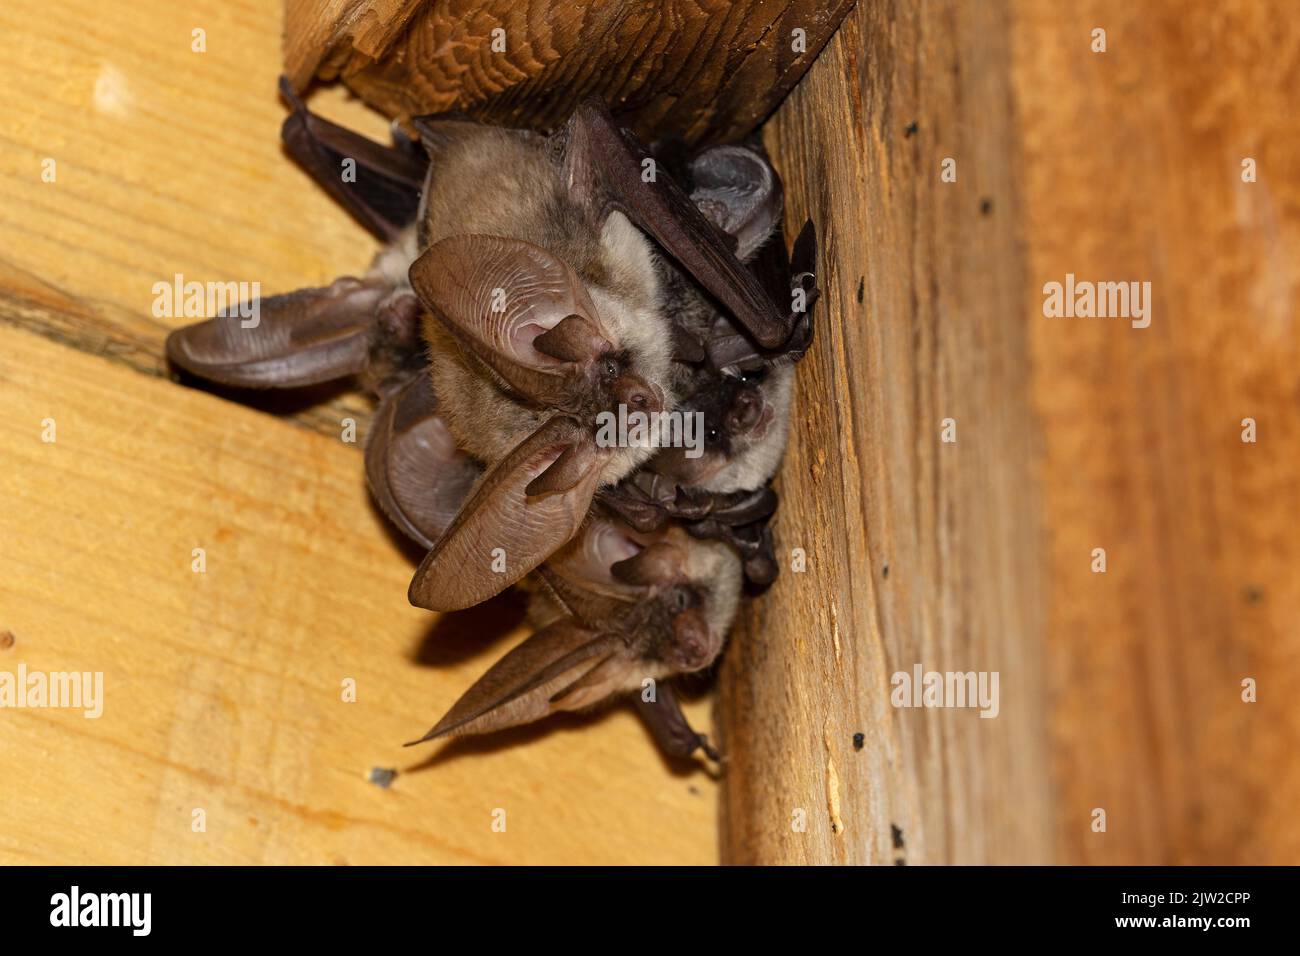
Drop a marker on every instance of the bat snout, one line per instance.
(637, 394)
(693, 645)
(746, 412)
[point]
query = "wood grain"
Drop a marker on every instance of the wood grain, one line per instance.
(1120, 691)
(224, 689)
(704, 71)
(1132, 171)
(918, 551)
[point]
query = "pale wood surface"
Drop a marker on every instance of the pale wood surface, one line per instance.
(224, 689)
(701, 71)
(1120, 691)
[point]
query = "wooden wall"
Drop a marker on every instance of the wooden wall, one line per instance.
(224, 689)
(1120, 690)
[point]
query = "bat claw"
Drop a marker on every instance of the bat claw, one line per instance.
(709, 750)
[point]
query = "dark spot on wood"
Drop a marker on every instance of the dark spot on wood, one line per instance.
(693, 791)
(383, 776)
(884, 572)
(986, 206)
(858, 740)
(911, 128)
(862, 288)
(6, 640)
(900, 862)
(897, 834)
(1253, 595)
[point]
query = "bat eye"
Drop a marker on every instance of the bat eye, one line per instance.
(680, 600)
(753, 376)
(712, 434)
(610, 368)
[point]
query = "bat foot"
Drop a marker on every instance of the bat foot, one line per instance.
(709, 750)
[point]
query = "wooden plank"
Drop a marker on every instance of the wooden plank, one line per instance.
(918, 551)
(1132, 164)
(1120, 691)
(168, 162)
(700, 71)
(223, 689)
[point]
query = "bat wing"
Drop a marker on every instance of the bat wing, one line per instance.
(413, 467)
(523, 685)
(383, 183)
(298, 338)
(508, 526)
(603, 166)
(782, 275)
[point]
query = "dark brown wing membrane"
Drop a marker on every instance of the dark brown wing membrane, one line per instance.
(385, 195)
(604, 167)
(669, 726)
(782, 275)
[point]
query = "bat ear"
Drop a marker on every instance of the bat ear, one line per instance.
(413, 467)
(579, 573)
(659, 563)
(550, 671)
(519, 309)
(521, 512)
(738, 191)
(299, 338)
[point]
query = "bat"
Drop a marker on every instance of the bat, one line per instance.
(546, 309)
(549, 218)
(618, 613)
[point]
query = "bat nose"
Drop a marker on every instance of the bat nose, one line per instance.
(691, 642)
(746, 409)
(638, 394)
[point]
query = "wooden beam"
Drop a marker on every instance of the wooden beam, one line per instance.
(701, 71)
(1121, 691)
(918, 551)
(1132, 164)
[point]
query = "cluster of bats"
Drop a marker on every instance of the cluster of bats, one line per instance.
(528, 284)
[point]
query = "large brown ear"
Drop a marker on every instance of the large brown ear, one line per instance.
(413, 467)
(521, 686)
(299, 338)
(503, 527)
(579, 573)
(518, 308)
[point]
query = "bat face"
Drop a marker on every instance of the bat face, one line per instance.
(746, 419)
(627, 609)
